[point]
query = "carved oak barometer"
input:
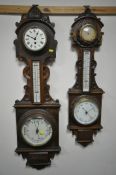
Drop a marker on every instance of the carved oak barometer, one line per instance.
(85, 97)
(37, 114)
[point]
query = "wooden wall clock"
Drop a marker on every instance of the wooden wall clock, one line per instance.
(85, 97)
(37, 114)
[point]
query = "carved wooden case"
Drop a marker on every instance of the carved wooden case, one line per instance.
(84, 133)
(47, 107)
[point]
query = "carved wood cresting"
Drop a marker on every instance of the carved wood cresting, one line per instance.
(37, 157)
(84, 133)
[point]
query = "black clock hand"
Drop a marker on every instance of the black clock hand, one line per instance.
(36, 127)
(31, 37)
(37, 131)
(36, 34)
(86, 112)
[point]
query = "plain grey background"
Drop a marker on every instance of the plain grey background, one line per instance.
(98, 158)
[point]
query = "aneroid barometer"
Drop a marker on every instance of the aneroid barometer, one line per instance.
(85, 97)
(37, 114)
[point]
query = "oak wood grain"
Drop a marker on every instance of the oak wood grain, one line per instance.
(58, 10)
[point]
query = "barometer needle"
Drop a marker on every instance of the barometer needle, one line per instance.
(86, 112)
(37, 130)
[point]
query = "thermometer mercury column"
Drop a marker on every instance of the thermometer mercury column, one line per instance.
(36, 81)
(86, 71)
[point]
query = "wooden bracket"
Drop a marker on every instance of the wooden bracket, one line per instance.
(58, 10)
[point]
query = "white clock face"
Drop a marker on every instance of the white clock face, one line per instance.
(86, 111)
(88, 33)
(34, 39)
(36, 131)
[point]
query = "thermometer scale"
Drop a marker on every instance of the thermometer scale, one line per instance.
(36, 81)
(86, 71)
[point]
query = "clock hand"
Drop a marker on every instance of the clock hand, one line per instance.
(86, 112)
(36, 127)
(36, 34)
(32, 37)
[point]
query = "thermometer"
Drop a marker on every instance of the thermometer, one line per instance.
(36, 81)
(86, 71)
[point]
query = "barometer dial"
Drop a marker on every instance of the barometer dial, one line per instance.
(86, 111)
(36, 131)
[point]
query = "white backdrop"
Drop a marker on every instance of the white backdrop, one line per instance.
(98, 158)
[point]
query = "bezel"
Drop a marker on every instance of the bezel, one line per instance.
(32, 114)
(82, 99)
(31, 27)
(83, 27)
(30, 141)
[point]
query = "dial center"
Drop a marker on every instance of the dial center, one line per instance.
(86, 112)
(37, 131)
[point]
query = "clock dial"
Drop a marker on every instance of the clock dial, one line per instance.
(36, 131)
(86, 111)
(34, 38)
(88, 33)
